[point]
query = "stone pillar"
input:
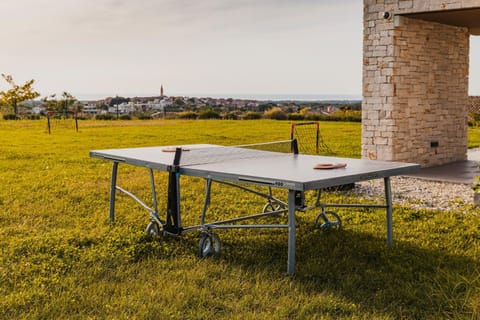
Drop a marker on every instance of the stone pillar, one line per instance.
(415, 83)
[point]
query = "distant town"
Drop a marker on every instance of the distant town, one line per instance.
(180, 107)
(21, 102)
(163, 106)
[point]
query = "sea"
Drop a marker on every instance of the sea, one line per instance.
(246, 96)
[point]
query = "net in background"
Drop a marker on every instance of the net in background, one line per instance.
(60, 120)
(309, 139)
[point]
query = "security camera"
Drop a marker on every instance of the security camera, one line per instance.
(387, 15)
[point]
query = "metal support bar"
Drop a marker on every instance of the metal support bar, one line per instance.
(388, 200)
(353, 205)
(291, 232)
(247, 226)
(254, 216)
(268, 196)
(295, 146)
(206, 202)
(153, 213)
(113, 184)
(154, 193)
(179, 216)
(319, 195)
(134, 197)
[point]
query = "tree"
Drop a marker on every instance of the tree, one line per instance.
(50, 102)
(179, 101)
(266, 106)
(67, 102)
(17, 94)
(118, 100)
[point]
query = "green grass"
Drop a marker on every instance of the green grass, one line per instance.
(61, 257)
(474, 137)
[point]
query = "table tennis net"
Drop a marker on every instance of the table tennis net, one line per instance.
(218, 154)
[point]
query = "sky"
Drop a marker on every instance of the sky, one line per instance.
(99, 48)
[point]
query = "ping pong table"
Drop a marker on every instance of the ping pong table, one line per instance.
(248, 168)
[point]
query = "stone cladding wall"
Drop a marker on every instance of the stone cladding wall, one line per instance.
(415, 83)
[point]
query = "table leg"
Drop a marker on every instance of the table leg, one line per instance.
(291, 232)
(154, 193)
(113, 185)
(388, 199)
(179, 216)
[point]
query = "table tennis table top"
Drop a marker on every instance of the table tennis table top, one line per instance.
(276, 169)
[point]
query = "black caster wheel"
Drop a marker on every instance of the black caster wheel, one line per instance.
(328, 220)
(154, 229)
(209, 245)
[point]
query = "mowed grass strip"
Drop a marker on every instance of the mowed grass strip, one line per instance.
(62, 258)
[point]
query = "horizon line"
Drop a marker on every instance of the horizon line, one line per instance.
(242, 96)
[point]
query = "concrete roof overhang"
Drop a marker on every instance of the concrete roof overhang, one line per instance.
(468, 18)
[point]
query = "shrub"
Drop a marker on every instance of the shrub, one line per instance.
(187, 115)
(11, 117)
(251, 115)
(145, 116)
(209, 114)
(230, 116)
(473, 119)
(296, 116)
(33, 117)
(125, 117)
(107, 116)
(350, 116)
(275, 114)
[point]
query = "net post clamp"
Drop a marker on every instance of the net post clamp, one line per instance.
(175, 167)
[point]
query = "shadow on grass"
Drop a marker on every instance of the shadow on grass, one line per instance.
(404, 281)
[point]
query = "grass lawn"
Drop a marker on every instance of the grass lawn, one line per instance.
(62, 259)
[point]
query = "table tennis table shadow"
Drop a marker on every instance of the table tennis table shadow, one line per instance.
(245, 167)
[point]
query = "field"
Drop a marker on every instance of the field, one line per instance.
(61, 258)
